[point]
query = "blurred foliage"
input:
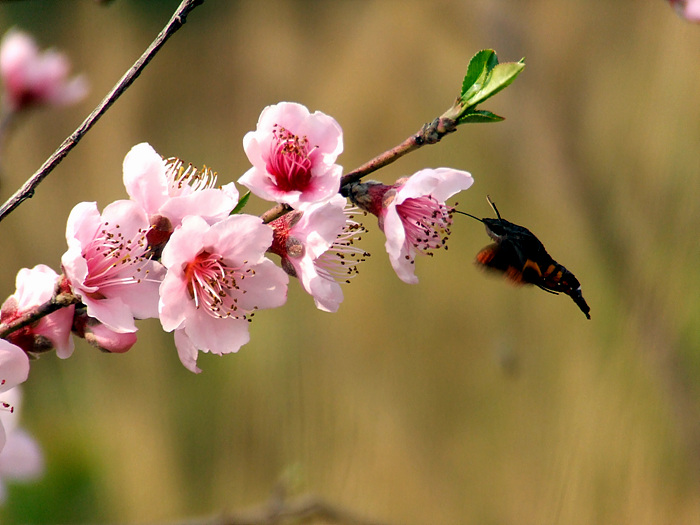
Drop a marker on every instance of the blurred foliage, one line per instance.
(459, 400)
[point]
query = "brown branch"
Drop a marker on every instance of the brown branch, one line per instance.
(61, 298)
(275, 212)
(27, 190)
(428, 134)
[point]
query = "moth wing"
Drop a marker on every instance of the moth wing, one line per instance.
(532, 273)
(504, 258)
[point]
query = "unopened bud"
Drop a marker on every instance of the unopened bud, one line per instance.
(108, 340)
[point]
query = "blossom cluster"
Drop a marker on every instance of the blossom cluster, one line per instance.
(181, 250)
(175, 250)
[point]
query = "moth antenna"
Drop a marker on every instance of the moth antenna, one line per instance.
(467, 214)
(493, 205)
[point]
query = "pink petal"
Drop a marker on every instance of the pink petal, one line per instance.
(35, 286)
(102, 337)
(14, 365)
(240, 238)
(144, 177)
(185, 243)
(174, 301)
(325, 132)
(57, 329)
(130, 217)
(83, 222)
(290, 115)
(112, 312)
(692, 11)
(320, 226)
(75, 267)
(324, 186)
(142, 298)
(186, 351)
(211, 204)
(441, 183)
(268, 289)
(21, 457)
(327, 294)
(217, 336)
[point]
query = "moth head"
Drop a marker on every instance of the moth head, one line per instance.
(496, 228)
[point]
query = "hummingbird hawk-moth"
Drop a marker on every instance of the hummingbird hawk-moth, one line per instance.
(522, 258)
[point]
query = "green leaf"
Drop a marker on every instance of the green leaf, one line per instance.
(485, 77)
(477, 70)
(479, 116)
(497, 79)
(241, 203)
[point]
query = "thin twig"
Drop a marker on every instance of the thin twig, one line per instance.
(428, 134)
(27, 190)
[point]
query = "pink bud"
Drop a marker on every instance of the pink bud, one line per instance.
(103, 338)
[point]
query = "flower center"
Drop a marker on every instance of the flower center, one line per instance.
(214, 285)
(426, 222)
(289, 161)
(113, 259)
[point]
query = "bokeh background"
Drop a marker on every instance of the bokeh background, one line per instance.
(461, 400)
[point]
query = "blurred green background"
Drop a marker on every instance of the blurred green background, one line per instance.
(459, 400)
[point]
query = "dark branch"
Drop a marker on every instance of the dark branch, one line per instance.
(27, 190)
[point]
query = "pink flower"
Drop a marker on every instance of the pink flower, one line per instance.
(34, 288)
(108, 265)
(293, 154)
(316, 246)
(20, 458)
(688, 9)
(217, 277)
(33, 78)
(412, 213)
(14, 369)
(167, 191)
